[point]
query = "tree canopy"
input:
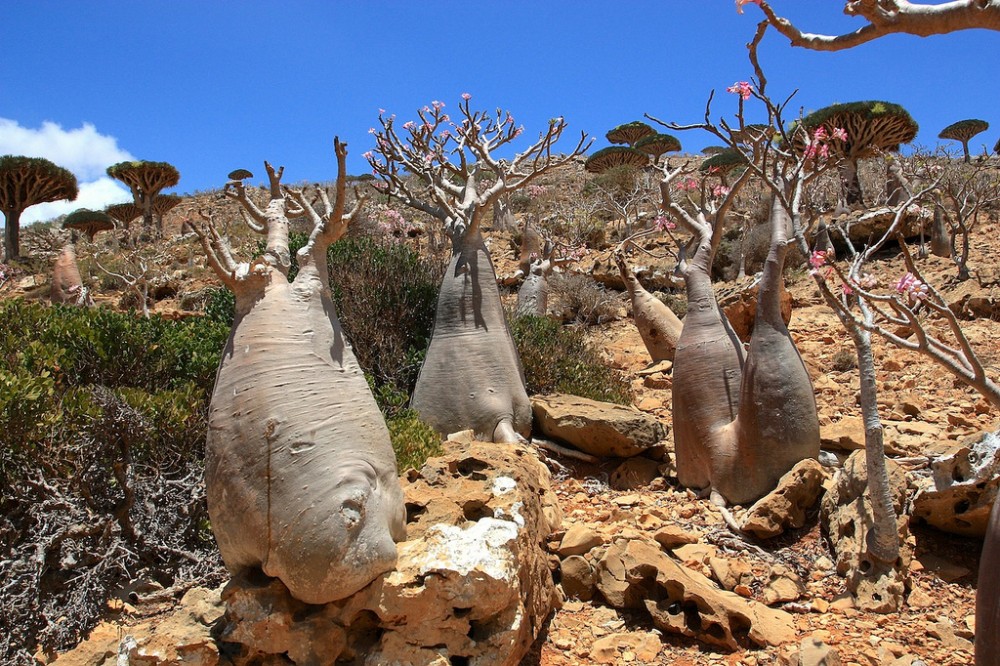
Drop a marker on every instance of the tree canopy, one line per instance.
(615, 156)
(88, 221)
(629, 133)
(24, 182)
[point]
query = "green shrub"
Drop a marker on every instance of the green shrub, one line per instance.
(385, 295)
(413, 441)
(557, 359)
(676, 302)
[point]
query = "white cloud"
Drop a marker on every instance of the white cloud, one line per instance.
(84, 151)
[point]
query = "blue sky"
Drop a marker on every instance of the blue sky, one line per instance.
(210, 86)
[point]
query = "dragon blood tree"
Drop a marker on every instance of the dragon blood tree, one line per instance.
(145, 180)
(616, 156)
(657, 145)
(629, 133)
(299, 471)
(869, 129)
(24, 182)
(471, 377)
(963, 131)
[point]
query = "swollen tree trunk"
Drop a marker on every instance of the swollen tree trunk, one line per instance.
(67, 285)
(300, 473)
(738, 427)
(777, 426)
(533, 296)
(659, 327)
(988, 596)
(471, 376)
(940, 238)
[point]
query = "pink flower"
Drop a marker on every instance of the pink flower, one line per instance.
(840, 134)
(687, 185)
(720, 191)
(740, 3)
(820, 134)
(905, 283)
(409, 124)
(371, 130)
(847, 289)
(663, 223)
(819, 258)
(437, 105)
(381, 112)
(367, 155)
(741, 88)
(868, 281)
(466, 96)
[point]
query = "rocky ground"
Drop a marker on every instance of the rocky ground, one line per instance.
(925, 411)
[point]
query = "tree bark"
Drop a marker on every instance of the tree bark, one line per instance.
(471, 376)
(12, 236)
(988, 596)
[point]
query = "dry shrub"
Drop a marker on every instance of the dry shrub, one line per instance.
(577, 298)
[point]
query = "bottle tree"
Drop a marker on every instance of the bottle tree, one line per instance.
(451, 170)
(24, 182)
(963, 131)
(145, 180)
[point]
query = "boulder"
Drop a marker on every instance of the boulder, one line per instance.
(577, 578)
(471, 585)
(637, 575)
(579, 539)
(786, 505)
(599, 428)
(962, 486)
(635, 473)
(846, 514)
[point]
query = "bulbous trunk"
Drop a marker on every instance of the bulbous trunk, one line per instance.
(988, 597)
(778, 425)
(708, 369)
(658, 326)
(533, 296)
(67, 285)
(300, 473)
(471, 376)
(940, 239)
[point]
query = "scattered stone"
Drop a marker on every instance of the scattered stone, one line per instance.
(731, 573)
(635, 473)
(962, 488)
(814, 652)
(578, 540)
(643, 646)
(786, 505)
(919, 598)
(598, 428)
(673, 536)
(577, 578)
(785, 585)
(637, 575)
(947, 571)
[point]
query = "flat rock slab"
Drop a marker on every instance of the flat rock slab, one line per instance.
(599, 428)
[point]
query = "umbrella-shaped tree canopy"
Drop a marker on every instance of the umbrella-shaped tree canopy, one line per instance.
(240, 174)
(871, 128)
(124, 212)
(963, 131)
(89, 222)
(713, 150)
(615, 156)
(656, 145)
(629, 133)
(164, 203)
(723, 162)
(146, 177)
(24, 182)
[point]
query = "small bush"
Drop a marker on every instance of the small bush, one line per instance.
(556, 359)
(676, 302)
(844, 360)
(413, 441)
(580, 299)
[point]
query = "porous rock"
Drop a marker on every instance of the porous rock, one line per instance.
(962, 487)
(637, 575)
(786, 505)
(599, 428)
(635, 473)
(577, 578)
(472, 582)
(847, 516)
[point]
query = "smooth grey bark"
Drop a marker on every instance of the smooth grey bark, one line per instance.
(988, 596)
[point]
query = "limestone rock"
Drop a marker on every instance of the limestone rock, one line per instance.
(578, 540)
(635, 473)
(740, 307)
(577, 578)
(786, 505)
(598, 428)
(814, 652)
(962, 487)
(472, 582)
(610, 649)
(784, 585)
(674, 536)
(638, 575)
(846, 512)
(183, 638)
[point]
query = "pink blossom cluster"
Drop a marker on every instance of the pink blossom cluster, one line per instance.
(720, 191)
(740, 3)
(910, 285)
(819, 144)
(819, 258)
(741, 88)
(576, 253)
(392, 222)
(687, 185)
(664, 223)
